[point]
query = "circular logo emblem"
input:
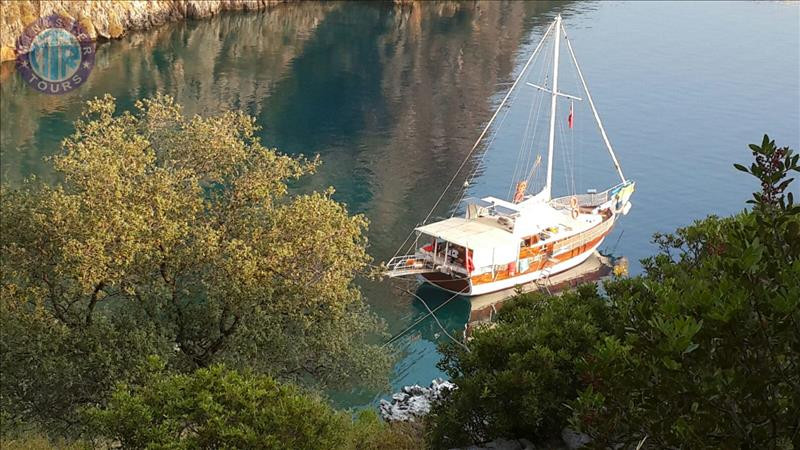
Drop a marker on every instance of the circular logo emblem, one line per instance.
(55, 54)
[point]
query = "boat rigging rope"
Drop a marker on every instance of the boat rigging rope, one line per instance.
(528, 137)
(430, 312)
(591, 105)
(441, 327)
(566, 158)
(483, 133)
(538, 158)
(478, 164)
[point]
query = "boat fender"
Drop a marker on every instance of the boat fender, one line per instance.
(626, 208)
(512, 269)
(573, 202)
(575, 213)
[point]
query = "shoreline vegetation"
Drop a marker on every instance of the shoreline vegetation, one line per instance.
(106, 20)
(172, 293)
(173, 258)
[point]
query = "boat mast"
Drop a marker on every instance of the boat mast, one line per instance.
(553, 97)
(594, 110)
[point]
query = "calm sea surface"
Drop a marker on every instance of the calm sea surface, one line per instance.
(393, 99)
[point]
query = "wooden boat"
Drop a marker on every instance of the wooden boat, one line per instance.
(499, 244)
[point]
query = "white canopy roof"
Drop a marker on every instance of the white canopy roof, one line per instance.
(471, 233)
(536, 216)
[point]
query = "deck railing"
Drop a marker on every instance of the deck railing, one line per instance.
(421, 262)
(589, 199)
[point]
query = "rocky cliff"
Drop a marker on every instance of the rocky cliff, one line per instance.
(110, 19)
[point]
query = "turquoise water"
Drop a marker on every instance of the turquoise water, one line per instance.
(393, 98)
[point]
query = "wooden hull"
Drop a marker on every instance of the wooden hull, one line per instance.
(448, 282)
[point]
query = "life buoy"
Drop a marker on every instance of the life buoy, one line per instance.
(575, 213)
(573, 202)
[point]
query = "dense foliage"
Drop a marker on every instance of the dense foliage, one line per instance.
(219, 408)
(702, 351)
(174, 236)
(710, 356)
(520, 372)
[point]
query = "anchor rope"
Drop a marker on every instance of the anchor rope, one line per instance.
(441, 327)
(430, 312)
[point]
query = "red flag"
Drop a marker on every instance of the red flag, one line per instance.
(569, 119)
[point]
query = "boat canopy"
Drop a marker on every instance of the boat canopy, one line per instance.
(474, 234)
(537, 216)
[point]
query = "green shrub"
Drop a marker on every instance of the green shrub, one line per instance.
(518, 375)
(220, 408)
(40, 442)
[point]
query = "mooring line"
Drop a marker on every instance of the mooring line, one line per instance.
(437, 320)
(430, 312)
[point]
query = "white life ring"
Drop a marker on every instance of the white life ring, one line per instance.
(575, 213)
(573, 202)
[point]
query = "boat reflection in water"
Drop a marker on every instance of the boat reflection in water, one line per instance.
(596, 268)
(454, 313)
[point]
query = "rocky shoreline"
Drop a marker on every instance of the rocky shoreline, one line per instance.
(107, 19)
(112, 19)
(413, 403)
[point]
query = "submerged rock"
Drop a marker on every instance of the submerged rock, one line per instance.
(414, 401)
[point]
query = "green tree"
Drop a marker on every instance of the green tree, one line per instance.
(520, 372)
(216, 407)
(710, 354)
(178, 232)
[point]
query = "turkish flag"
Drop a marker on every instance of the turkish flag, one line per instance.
(569, 119)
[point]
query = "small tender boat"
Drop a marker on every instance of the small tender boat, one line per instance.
(499, 244)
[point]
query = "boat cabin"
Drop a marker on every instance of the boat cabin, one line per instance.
(495, 233)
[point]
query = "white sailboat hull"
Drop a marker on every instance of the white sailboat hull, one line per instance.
(494, 286)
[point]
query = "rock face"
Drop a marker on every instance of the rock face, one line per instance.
(414, 401)
(111, 19)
